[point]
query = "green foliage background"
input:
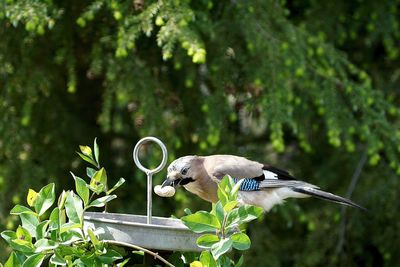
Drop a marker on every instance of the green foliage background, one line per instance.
(311, 86)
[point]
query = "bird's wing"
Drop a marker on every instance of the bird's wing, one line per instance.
(238, 167)
(276, 183)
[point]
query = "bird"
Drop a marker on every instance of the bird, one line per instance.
(264, 185)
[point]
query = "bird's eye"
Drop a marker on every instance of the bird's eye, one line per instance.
(184, 171)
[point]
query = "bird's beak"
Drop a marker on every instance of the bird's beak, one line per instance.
(168, 182)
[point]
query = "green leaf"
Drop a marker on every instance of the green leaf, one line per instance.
(187, 211)
(101, 202)
(31, 197)
(222, 195)
(90, 172)
(55, 219)
(99, 181)
(22, 245)
(34, 260)
(121, 264)
(96, 151)
(207, 259)
(86, 150)
(19, 209)
(207, 240)
(223, 246)
(23, 234)
(68, 226)
(224, 261)
(118, 184)
(87, 159)
(81, 188)
(235, 189)
(201, 221)
(240, 241)
(8, 235)
(61, 199)
(93, 237)
(45, 244)
(243, 214)
(230, 206)
(110, 256)
(74, 209)
(45, 198)
(248, 213)
(57, 259)
(240, 262)
(196, 264)
(12, 261)
(41, 229)
(219, 212)
(29, 222)
(68, 237)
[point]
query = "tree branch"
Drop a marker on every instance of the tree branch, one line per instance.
(350, 189)
(113, 242)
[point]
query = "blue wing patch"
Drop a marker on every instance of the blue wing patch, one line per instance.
(248, 184)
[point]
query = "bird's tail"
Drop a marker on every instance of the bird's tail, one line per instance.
(325, 195)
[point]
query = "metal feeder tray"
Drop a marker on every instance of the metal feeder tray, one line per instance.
(158, 233)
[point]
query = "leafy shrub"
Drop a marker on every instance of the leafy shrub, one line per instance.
(58, 235)
(222, 226)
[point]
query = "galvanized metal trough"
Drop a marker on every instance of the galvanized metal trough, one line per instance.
(157, 233)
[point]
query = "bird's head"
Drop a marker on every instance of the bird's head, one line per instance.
(180, 172)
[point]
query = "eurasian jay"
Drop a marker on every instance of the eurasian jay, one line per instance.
(264, 186)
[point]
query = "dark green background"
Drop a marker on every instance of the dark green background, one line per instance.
(309, 86)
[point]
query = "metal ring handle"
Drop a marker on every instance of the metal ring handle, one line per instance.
(136, 154)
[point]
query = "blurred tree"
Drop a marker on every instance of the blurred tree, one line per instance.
(313, 79)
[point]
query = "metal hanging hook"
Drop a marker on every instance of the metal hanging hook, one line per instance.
(148, 172)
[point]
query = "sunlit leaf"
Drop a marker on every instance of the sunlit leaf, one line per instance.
(118, 184)
(87, 159)
(55, 219)
(34, 260)
(201, 221)
(93, 237)
(81, 188)
(23, 234)
(196, 264)
(8, 235)
(90, 172)
(96, 151)
(223, 246)
(45, 244)
(207, 240)
(219, 212)
(13, 261)
(207, 259)
(74, 209)
(31, 197)
(101, 202)
(45, 199)
(230, 205)
(41, 229)
(240, 241)
(110, 256)
(22, 245)
(19, 209)
(29, 222)
(99, 181)
(61, 199)
(86, 150)
(57, 259)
